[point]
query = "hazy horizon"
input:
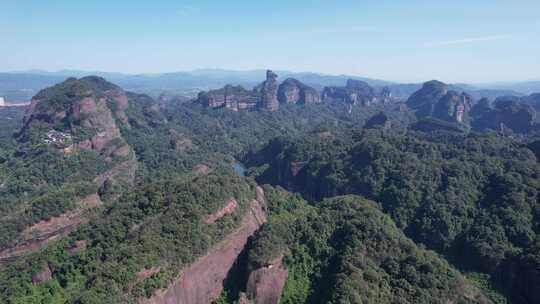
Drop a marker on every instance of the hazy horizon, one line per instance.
(399, 41)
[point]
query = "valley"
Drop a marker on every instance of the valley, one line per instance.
(280, 193)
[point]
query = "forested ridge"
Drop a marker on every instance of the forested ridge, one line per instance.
(472, 198)
(362, 205)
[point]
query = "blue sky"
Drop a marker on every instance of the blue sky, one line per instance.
(456, 41)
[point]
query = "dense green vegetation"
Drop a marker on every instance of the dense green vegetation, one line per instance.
(345, 250)
(357, 210)
(473, 198)
(158, 225)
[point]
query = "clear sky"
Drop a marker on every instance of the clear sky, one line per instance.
(413, 40)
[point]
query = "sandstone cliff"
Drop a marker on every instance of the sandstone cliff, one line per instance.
(79, 113)
(507, 114)
(294, 91)
(434, 99)
(423, 101)
(265, 285)
(231, 97)
(269, 90)
(202, 281)
(354, 92)
(453, 107)
(266, 96)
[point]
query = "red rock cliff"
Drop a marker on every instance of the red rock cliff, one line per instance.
(265, 285)
(202, 281)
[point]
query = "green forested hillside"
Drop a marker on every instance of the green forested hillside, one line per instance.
(158, 225)
(473, 198)
(379, 215)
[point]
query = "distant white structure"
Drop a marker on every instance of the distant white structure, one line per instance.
(3, 103)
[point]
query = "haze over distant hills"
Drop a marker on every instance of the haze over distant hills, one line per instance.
(22, 85)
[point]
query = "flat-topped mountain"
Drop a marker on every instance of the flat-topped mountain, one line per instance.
(294, 91)
(354, 92)
(231, 97)
(270, 94)
(266, 96)
(504, 114)
(435, 99)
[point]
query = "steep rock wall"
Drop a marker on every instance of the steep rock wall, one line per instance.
(202, 281)
(265, 285)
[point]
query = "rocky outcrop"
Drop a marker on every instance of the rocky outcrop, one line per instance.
(202, 281)
(507, 114)
(294, 91)
(435, 100)
(84, 111)
(43, 275)
(386, 95)
(229, 208)
(269, 90)
(265, 285)
(423, 101)
(202, 169)
(42, 233)
(453, 107)
(231, 97)
(266, 96)
(78, 246)
(355, 92)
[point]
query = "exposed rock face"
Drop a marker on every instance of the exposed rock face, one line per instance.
(42, 233)
(202, 281)
(355, 92)
(453, 107)
(294, 91)
(435, 100)
(146, 273)
(265, 96)
(43, 275)
(386, 95)
(231, 97)
(202, 169)
(423, 101)
(506, 114)
(229, 208)
(265, 285)
(269, 90)
(80, 108)
(78, 246)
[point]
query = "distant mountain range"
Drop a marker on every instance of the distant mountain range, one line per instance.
(22, 85)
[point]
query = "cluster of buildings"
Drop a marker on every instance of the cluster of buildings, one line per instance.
(54, 136)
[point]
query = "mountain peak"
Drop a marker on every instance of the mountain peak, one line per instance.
(83, 110)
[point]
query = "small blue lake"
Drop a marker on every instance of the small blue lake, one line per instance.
(239, 169)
